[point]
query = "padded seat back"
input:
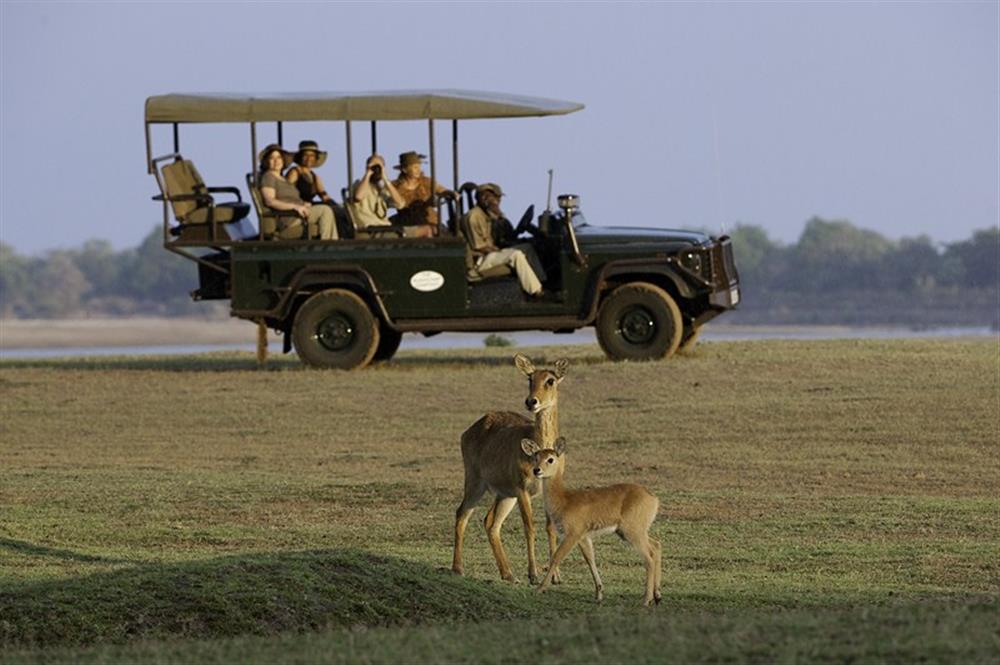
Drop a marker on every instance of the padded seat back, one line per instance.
(192, 202)
(182, 179)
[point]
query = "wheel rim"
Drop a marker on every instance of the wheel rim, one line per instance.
(637, 326)
(335, 333)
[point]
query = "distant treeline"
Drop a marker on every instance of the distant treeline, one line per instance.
(836, 273)
(839, 274)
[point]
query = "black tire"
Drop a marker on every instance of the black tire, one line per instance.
(639, 321)
(335, 329)
(388, 343)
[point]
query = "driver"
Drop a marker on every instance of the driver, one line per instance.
(481, 225)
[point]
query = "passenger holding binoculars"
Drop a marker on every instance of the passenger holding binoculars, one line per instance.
(373, 195)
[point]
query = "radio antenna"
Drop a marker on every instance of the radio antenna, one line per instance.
(548, 200)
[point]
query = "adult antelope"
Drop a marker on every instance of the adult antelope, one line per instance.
(627, 510)
(495, 461)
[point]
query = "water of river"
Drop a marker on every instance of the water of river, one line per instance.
(527, 339)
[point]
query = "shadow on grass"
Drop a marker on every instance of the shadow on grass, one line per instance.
(207, 362)
(260, 594)
(30, 549)
(246, 362)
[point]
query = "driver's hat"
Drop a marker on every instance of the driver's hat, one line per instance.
(490, 187)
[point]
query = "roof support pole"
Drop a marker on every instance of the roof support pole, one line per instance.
(149, 151)
(281, 140)
(434, 198)
(454, 161)
(374, 139)
(253, 153)
(177, 138)
(350, 159)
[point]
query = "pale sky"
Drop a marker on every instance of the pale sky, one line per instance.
(698, 115)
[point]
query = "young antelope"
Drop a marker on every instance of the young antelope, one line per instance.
(627, 510)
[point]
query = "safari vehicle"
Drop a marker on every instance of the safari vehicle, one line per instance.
(344, 303)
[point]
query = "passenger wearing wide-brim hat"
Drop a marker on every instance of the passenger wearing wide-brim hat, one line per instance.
(306, 147)
(409, 159)
(280, 195)
(307, 181)
(490, 187)
(286, 157)
(420, 214)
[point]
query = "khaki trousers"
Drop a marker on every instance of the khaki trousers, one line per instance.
(523, 260)
(321, 220)
(321, 224)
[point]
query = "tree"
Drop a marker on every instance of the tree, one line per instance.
(979, 258)
(758, 259)
(60, 286)
(914, 263)
(15, 282)
(153, 274)
(836, 255)
(99, 264)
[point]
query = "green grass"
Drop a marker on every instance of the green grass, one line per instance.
(827, 501)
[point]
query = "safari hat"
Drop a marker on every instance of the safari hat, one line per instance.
(407, 158)
(311, 145)
(489, 187)
(286, 156)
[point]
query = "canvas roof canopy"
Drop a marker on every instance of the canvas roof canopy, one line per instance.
(387, 105)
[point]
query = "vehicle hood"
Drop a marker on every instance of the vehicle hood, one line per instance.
(617, 235)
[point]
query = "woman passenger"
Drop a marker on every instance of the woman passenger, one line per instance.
(279, 194)
(302, 175)
(420, 214)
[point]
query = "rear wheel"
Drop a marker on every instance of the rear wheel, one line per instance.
(388, 343)
(335, 329)
(639, 321)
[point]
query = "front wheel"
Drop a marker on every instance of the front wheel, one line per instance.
(335, 329)
(689, 339)
(639, 321)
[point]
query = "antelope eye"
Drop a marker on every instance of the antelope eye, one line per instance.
(551, 460)
(550, 382)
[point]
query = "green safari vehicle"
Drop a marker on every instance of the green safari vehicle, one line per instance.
(345, 303)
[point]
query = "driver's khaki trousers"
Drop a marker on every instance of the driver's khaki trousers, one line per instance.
(523, 260)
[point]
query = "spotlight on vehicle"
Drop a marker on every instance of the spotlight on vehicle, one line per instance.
(569, 204)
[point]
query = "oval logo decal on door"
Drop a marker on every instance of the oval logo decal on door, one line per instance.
(427, 280)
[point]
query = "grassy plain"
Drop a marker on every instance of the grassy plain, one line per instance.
(829, 501)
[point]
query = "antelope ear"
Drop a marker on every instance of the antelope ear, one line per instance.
(561, 366)
(524, 364)
(529, 447)
(560, 446)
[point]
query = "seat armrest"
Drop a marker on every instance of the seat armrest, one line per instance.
(204, 199)
(281, 213)
(226, 190)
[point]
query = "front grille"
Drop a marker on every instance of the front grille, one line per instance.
(723, 265)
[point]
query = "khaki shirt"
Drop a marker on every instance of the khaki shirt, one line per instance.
(373, 210)
(480, 231)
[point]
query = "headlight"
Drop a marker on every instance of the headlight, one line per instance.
(691, 262)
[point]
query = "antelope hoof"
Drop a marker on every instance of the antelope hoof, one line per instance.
(509, 578)
(457, 570)
(657, 597)
(556, 577)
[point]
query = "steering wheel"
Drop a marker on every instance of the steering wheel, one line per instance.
(524, 225)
